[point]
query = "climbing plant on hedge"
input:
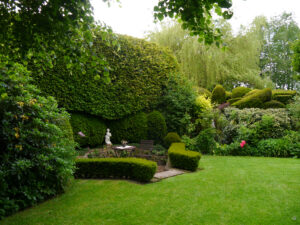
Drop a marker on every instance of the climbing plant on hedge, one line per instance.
(138, 72)
(36, 157)
(157, 128)
(92, 127)
(132, 129)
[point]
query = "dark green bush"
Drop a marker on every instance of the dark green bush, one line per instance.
(239, 92)
(233, 100)
(203, 91)
(218, 94)
(131, 168)
(294, 109)
(182, 159)
(284, 99)
(92, 127)
(157, 128)
(139, 72)
(275, 147)
(273, 104)
(171, 138)
(228, 95)
(132, 129)
(65, 125)
(205, 141)
(235, 149)
(36, 158)
(255, 100)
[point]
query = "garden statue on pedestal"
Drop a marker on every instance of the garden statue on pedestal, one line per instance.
(107, 138)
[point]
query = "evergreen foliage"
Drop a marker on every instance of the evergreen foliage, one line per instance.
(218, 94)
(92, 127)
(157, 127)
(171, 137)
(239, 92)
(273, 104)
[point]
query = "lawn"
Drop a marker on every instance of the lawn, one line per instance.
(229, 190)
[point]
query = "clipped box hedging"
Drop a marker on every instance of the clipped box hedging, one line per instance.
(255, 100)
(131, 168)
(233, 100)
(239, 92)
(273, 104)
(183, 159)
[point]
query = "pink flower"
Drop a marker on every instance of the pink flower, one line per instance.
(242, 143)
(81, 134)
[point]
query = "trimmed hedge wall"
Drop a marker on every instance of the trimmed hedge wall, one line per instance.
(254, 100)
(131, 168)
(239, 92)
(139, 72)
(283, 96)
(157, 127)
(218, 94)
(132, 129)
(92, 127)
(182, 159)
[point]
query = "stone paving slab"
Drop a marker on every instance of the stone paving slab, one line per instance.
(168, 173)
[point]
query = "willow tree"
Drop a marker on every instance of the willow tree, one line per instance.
(234, 64)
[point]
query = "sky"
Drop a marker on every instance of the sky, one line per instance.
(135, 17)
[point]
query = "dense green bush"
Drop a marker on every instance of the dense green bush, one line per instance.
(203, 91)
(275, 147)
(293, 137)
(182, 159)
(36, 157)
(239, 92)
(92, 127)
(171, 138)
(294, 109)
(218, 94)
(284, 99)
(138, 72)
(205, 141)
(131, 168)
(273, 104)
(132, 129)
(252, 92)
(177, 104)
(157, 128)
(235, 149)
(228, 95)
(202, 104)
(254, 100)
(233, 100)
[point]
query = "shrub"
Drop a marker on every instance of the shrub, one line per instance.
(203, 91)
(157, 128)
(132, 129)
(228, 95)
(205, 141)
(294, 109)
(171, 138)
(239, 92)
(293, 138)
(255, 100)
(182, 159)
(284, 99)
(236, 150)
(275, 147)
(218, 94)
(131, 168)
(233, 100)
(64, 124)
(36, 158)
(252, 92)
(202, 104)
(92, 127)
(139, 74)
(273, 104)
(283, 92)
(177, 104)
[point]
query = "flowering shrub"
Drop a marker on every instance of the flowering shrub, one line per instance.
(36, 156)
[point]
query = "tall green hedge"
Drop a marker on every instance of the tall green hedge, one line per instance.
(132, 129)
(157, 127)
(92, 127)
(138, 72)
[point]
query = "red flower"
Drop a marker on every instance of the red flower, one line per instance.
(242, 143)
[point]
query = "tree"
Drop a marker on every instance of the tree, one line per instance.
(296, 57)
(275, 59)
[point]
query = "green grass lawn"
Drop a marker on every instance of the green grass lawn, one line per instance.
(230, 190)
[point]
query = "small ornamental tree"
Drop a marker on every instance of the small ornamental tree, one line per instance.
(36, 156)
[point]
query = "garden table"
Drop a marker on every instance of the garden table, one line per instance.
(127, 148)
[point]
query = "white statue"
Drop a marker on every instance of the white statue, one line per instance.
(107, 137)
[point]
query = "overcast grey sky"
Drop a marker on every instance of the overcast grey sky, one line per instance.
(135, 17)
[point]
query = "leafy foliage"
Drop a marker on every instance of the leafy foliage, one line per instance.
(195, 16)
(205, 141)
(239, 92)
(273, 104)
(132, 168)
(218, 94)
(139, 73)
(294, 109)
(36, 157)
(296, 56)
(157, 127)
(170, 138)
(92, 127)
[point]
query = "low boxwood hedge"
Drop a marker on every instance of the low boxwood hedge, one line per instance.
(273, 104)
(183, 159)
(131, 168)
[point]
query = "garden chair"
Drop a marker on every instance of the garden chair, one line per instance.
(146, 147)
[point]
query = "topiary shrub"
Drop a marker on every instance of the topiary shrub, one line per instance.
(228, 95)
(273, 104)
(36, 158)
(92, 127)
(139, 73)
(284, 99)
(252, 92)
(182, 159)
(171, 138)
(239, 92)
(130, 168)
(218, 94)
(233, 100)
(255, 100)
(157, 128)
(132, 129)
